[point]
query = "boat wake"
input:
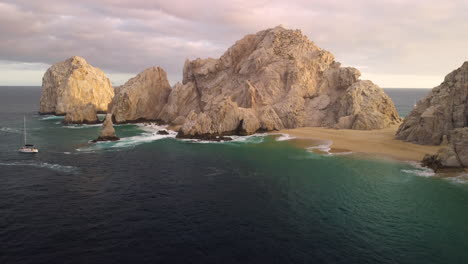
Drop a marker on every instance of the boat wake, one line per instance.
(10, 130)
(45, 165)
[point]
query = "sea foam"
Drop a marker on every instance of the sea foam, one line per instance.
(419, 170)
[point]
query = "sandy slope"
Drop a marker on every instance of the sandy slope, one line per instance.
(381, 142)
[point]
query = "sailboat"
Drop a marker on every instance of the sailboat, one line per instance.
(27, 148)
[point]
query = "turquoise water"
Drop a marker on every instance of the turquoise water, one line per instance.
(154, 199)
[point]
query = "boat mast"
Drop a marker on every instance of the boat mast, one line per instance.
(24, 121)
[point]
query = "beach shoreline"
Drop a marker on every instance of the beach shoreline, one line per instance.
(381, 142)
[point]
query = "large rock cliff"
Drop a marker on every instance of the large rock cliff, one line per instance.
(272, 80)
(440, 112)
(142, 97)
(74, 83)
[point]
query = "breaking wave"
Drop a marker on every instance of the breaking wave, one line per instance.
(51, 117)
(461, 179)
(284, 137)
(419, 170)
(81, 126)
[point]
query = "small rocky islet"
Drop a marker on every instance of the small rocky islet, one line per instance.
(272, 80)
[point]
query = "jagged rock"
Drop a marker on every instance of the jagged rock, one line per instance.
(440, 112)
(107, 132)
(454, 155)
(162, 132)
(74, 83)
(272, 80)
(82, 114)
(142, 97)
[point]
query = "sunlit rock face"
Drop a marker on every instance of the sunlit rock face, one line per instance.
(82, 114)
(107, 132)
(74, 83)
(439, 113)
(142, 97)
(272, 80)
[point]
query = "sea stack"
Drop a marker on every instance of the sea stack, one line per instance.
(107, 132)
(439, 113)
(272, 80)
(142, 97)
(72, 84)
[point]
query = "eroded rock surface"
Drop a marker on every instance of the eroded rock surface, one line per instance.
(272, 80)
(440, 112)
(453, 155)
(74, 83)
(82, 114)
(142, 97)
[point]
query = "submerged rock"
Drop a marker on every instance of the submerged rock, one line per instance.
(162, 132)
(142, 97)
(82, 114)
(439, 113)
(272, 80)
(107, 132)
(453, 155)
(74, 83)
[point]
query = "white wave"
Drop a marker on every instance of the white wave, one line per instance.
(150, 134)
(56, 167)
(419, 170)
(460, 179)
(10, 130)
(51, 117)
(284, 137)
(76, 126)
(323, 147)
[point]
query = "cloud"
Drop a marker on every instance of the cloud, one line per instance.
(390, 37)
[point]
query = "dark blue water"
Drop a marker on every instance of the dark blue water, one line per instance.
(149, 199)
(405, 99)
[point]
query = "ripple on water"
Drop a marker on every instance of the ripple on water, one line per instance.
(51, 166)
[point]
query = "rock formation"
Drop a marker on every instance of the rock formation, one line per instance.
(272, 80)
(453, 155)
(142, 97)
(107, 132)
(74, 83)
(82, 114)
(439, 113)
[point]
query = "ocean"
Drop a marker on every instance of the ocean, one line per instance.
(154, 199)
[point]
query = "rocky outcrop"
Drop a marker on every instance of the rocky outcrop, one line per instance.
(142, 97)
(82, 114)
(439, 113)
(107, 132)
(453, 155)
(272, 80)
(74, 83)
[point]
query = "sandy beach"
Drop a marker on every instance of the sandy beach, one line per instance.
(376, 142)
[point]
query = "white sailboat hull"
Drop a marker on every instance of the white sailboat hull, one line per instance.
(28, 150)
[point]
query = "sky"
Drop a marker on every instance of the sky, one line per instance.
(395, 43)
